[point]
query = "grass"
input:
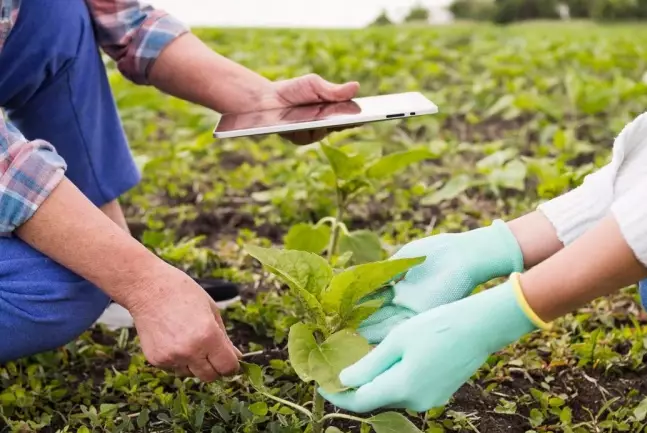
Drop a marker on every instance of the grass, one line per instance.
(526, 112)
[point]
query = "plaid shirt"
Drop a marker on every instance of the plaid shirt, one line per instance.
(133, 35)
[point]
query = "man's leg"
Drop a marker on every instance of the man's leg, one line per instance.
(54, 86)
(76, 112)
(42, 305)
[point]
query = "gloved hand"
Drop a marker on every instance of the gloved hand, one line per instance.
(456, 264)
(425, 360)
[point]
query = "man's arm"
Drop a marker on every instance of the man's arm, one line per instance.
(178, 324)
(176, 320)
(152, 47)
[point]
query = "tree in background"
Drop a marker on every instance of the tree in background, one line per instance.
(478, 10)
(578, 8)
(616, 10)
(382, 20)
(418, 13)
(508, 11)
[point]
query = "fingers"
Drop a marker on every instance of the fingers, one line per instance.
(379, 393)
(302, 138)
(182, 371)
(377, 327)
(221, 325)
(203, 370)
(379, 360)
(328, 91)
(220, 355)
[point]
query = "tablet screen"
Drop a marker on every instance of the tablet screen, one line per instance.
(355, 111)
(283, 116)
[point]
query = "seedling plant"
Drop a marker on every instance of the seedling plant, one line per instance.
(338, 292)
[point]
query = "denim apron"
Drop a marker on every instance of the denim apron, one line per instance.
(53, 86)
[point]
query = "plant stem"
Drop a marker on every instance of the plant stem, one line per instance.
(317, 413)
(342, 416)
(334, 236)
(287, 403)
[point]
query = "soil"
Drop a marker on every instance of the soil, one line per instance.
(588, 389)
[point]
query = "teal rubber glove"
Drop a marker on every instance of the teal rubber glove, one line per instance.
(426, 359)
(455, 265)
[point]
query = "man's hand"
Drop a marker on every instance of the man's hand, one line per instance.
(190, 70)
(180, 328)
(309, 89)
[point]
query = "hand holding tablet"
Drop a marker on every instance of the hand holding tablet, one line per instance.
(332, 115)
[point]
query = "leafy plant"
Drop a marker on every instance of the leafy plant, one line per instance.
(334, 300)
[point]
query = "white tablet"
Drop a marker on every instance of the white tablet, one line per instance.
(325, 115)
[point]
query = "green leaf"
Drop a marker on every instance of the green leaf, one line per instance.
(342, 260)
(333, 430)
(313, 307)
(353, 284)
(339, 351)
(536, 417)
(452, 189)
(496, 160)
(353, 187)
(363, 244)
(254, 373)
(362, 312)
(298, 269)
(307, 275)
(300, 343)
(392, 422)
(143, 418)
(395, 162)
(345, 167)
(640, 412)
(307, 237)
(368, 149)
(259, 408)
(512, 176)
(566, 415)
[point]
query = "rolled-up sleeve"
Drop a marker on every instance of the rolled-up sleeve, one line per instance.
(133, 34)
(29, 172)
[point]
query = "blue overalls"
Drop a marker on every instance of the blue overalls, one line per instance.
(53, 86)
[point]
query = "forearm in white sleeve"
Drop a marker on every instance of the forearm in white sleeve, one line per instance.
(630, 211)
(575, 212)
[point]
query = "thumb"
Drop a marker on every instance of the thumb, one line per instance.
(331, 92)
(221, 325)
(379, 360)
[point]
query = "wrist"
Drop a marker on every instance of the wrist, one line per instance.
(498, 253)
(508, 315)
(536, 237)
(139, 283)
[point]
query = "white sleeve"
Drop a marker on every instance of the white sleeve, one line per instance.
(575, 212)
(630, 211)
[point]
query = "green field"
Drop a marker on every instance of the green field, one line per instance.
(525, 113)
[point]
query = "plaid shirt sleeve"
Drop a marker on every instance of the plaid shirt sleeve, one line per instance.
(29, 171)
(133, 34)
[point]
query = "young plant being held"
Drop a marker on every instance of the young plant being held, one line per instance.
(324, 342)
(335, 301)
(352, 169)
